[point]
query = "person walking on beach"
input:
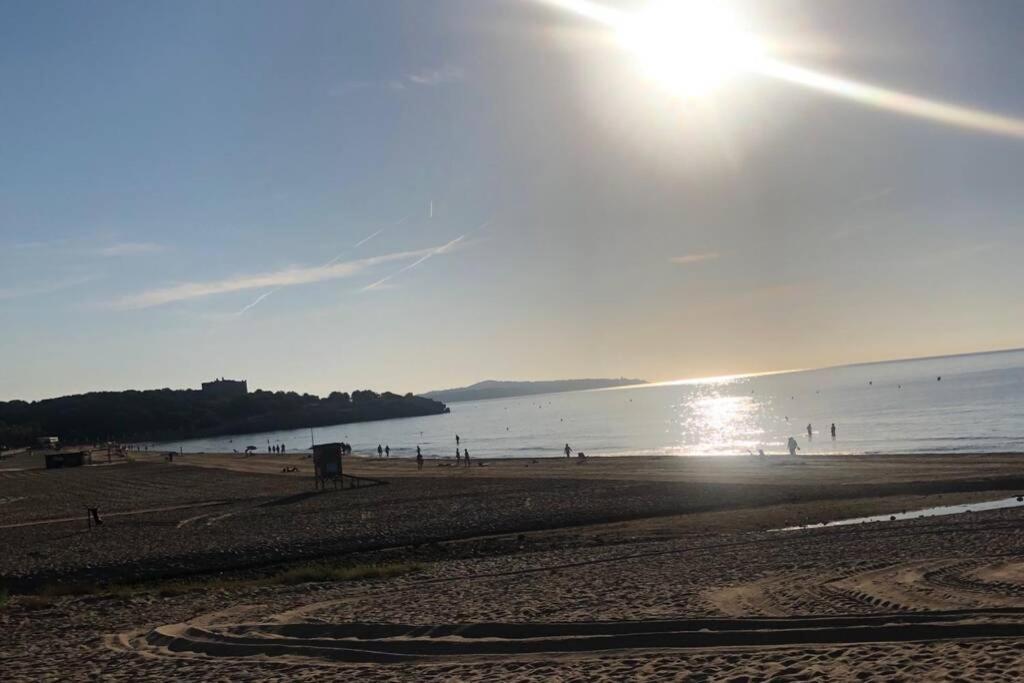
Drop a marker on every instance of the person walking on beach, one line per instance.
(810, 432)
(793, 447)
(458, 456)
(567, 450)
(465, 454)
(380, 451)
(387, 451)
(419, 458)
(282, 448)
(833, 431)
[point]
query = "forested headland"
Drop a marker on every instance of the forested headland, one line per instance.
(166, 414)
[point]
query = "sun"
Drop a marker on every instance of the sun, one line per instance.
(690, 47)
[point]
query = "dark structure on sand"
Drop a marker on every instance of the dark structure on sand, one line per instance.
(327, 465)
(60, 459)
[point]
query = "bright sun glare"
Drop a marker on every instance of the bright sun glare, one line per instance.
(690, 47)
(693, 47)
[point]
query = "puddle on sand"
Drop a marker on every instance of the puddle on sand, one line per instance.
(1017, 501)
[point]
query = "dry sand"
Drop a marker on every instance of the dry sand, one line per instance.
(617, 569)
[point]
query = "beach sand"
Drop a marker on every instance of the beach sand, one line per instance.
(613, 569)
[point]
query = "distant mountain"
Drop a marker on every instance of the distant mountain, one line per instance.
(498, 389)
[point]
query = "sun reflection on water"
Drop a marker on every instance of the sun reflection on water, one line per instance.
(714, 423)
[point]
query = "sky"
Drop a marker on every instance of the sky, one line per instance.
(408, 195)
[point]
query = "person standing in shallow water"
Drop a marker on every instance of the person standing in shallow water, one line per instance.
(387, 450)
(458, 456)
(833, 431)
(457, 439)
(465, 456)
(793, 446)
(380, 451)
(810, 432)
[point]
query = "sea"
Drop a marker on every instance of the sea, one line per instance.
(954, 404)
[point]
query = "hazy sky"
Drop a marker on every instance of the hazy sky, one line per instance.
(416, 194)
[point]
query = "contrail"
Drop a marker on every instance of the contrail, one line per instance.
(439, 250)
(865, 94)
(258, 299)
(370, 237)
(334, 260)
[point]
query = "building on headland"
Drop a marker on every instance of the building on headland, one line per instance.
(226, 388)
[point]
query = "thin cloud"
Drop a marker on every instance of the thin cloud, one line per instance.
(40, 244)
(875, 196)
(9, 293)
(129, 249)
(421, 78)
(282, 278)
(696, 258)
(88, 247)
(437, 76)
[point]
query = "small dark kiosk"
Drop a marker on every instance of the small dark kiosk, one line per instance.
(59, 459)
(327, 465)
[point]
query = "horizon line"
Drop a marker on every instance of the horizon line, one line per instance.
(690, 380)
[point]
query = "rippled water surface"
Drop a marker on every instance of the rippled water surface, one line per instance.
(896, 407)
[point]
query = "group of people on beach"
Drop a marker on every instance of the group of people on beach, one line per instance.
(384, 451)
(793, 446)
(462, 456)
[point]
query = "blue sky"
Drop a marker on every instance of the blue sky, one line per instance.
(183, 187)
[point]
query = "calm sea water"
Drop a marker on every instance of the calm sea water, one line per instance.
(894, 407)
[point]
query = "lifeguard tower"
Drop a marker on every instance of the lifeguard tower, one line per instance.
(327, 465)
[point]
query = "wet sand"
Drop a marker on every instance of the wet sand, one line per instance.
(625, 568)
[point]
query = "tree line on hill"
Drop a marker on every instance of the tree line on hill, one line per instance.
(166, 414)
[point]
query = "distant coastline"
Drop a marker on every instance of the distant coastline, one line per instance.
(489, 389)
